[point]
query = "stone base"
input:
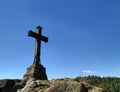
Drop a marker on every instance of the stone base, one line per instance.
(36, 71)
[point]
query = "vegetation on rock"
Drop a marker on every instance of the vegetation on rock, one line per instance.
(110, 84)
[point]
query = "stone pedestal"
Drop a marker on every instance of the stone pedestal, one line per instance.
(36, 71)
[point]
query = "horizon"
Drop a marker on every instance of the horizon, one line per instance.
(83, 37)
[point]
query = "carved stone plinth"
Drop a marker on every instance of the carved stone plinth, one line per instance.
(36, 71)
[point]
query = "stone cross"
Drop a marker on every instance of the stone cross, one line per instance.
(39, 37)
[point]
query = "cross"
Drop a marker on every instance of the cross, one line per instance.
(38, 38)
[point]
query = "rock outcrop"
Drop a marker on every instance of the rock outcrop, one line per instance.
(56, 85)
(66, 85)
(8, 85)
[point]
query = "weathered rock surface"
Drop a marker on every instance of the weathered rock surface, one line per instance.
(66, 85)
(57, 85)
(33, 85)
(8, 85)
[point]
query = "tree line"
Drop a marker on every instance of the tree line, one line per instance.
(111, 84)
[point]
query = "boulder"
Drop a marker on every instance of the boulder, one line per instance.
(8, 85)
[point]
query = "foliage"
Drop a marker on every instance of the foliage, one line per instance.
(111, 84)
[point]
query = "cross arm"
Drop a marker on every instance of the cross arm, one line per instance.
(32, 34)
(43, 38)
(37, 36)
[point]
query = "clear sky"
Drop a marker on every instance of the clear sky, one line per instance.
(84, 37)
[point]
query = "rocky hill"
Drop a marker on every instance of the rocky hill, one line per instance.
(56, 85)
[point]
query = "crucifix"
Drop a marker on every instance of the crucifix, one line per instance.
(39, 37)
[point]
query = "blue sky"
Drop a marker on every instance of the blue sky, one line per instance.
(83, 37)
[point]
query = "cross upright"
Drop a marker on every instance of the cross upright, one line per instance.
(39, 37)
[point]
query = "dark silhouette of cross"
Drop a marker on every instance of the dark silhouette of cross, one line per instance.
(38, 38)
